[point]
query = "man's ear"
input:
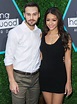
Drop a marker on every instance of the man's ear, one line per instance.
(23, 14)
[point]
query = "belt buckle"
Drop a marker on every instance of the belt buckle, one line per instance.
(27, 73)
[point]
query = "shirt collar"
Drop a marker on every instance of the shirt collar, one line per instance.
(26, 27)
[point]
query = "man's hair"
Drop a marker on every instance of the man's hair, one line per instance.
(31, 4)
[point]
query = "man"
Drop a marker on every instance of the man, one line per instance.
(22, 58)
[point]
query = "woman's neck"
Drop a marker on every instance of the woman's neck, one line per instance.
(53, 32)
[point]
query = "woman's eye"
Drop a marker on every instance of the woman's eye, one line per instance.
(54, 20)
(47, 20)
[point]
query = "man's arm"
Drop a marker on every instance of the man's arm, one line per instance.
(13, 85)
(11, 46)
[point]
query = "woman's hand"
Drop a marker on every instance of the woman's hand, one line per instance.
(68, 89)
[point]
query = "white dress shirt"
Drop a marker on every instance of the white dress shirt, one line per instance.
(23, 48)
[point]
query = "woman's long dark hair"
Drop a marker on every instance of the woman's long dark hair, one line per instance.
(64, 35)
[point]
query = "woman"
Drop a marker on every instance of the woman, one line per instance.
(55, 74)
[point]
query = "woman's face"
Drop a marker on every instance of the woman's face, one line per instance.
(52, 21)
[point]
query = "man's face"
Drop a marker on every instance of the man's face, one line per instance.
(31, 14)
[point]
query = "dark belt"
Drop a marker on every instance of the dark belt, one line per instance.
(26, 73)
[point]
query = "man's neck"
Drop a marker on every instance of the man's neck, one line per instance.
(30, 27)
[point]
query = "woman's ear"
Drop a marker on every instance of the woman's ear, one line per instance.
(39, 15)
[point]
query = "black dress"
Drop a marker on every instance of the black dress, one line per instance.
(52, 70)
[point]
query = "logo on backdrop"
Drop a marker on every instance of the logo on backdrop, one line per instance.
(10, 16)
(70, 21)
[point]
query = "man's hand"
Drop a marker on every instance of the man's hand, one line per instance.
(14, 87)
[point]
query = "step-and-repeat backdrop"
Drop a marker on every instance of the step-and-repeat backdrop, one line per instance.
(70, 21)
(11, 16)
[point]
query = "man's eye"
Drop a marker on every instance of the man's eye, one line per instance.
(34, 14)
(28, 14)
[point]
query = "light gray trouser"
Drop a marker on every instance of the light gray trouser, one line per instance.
(28, 89)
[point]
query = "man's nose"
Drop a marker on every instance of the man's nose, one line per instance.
(31, 16)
